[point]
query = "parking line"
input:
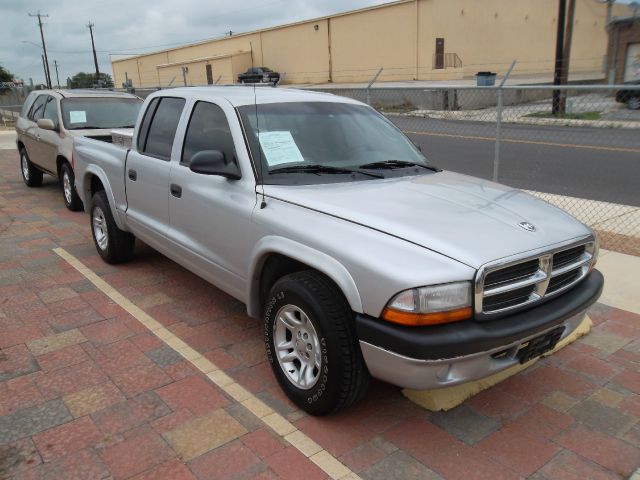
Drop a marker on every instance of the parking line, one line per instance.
(279, 424)
(530, 142)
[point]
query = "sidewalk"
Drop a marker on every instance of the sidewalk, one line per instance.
(87, 390)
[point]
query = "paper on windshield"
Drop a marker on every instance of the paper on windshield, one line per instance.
(279, 147)
(77, 116)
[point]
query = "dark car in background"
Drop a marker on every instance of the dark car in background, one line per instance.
(630, 97)
(259, 75)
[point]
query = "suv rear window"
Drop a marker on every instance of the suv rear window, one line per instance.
(99, 112)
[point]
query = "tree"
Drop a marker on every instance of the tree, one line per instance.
(5, 75)
(88, 80)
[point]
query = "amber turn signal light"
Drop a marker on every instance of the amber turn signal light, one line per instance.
(422, 319)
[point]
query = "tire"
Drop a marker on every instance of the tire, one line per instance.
(30, 174)
(113, 245)
(308, 314)
(67, 179)
(634, 103)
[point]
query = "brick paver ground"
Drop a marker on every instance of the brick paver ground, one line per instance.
(86, 392)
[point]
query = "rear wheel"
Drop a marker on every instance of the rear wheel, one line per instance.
(31, 175)
(113, 245)
(634, 103)
(312, 345)
(67, 178)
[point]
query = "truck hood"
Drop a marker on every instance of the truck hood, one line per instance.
(465, 218)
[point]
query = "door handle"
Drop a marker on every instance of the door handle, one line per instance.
(133, 175)
(176, 190)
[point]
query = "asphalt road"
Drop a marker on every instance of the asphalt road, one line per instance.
(594, 163)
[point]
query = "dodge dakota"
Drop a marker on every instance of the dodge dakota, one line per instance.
(360, 257)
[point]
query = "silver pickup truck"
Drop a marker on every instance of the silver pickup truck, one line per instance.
(361, 258)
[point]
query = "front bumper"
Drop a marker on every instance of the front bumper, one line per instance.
(425, 358)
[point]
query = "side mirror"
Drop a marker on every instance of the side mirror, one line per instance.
(213, 162)
(46, 124)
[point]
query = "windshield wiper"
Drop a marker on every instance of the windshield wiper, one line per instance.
(315, 168)
(391, 164)
(88, 127)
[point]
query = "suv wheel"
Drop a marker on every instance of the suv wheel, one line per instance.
(312, 345)
(113, 245)
(71, 199)
(31, 175)
(634, 103)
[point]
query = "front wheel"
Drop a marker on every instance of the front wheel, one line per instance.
(312, 345)
(113, 245)
(71, 199)
(31, 175)
(634, 103)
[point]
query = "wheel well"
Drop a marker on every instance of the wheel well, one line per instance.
(275, 267)
(20, 145)
(60, 160)
(96, 185)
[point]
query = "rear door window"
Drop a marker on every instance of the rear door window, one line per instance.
(162, 130)
(146, 121)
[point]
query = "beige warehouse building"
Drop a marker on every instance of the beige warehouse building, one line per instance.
(410, 39)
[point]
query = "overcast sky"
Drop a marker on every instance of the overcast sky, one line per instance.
(129, 26)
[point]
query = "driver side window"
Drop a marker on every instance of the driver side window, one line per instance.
(51, 110)
(208, 130)
(37, 108)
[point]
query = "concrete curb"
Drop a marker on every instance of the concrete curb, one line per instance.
(521, 120)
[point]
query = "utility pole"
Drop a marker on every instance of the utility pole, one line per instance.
(557, 71)
(47, 74)
(44, 66)
(95, 58)
(55, 64)
(566, 55)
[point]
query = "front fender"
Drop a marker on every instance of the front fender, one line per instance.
(84, 190)
(322, 262)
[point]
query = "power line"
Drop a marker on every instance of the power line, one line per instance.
(47, 73)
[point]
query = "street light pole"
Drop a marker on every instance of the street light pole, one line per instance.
(44, 48)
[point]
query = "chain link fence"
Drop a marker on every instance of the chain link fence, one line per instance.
(11, 100)
(583, 158)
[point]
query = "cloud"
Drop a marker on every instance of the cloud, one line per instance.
(127, 27)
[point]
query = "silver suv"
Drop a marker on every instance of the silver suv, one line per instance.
(51, 119)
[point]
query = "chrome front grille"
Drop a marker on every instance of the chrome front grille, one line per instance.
(514, 284)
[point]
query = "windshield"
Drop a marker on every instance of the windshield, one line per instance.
(90, 112)
(296, 136)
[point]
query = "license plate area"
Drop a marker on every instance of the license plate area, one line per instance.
(539, 345)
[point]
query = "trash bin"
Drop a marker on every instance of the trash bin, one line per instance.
(485, 79)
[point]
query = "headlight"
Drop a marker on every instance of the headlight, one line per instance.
(430, 305)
